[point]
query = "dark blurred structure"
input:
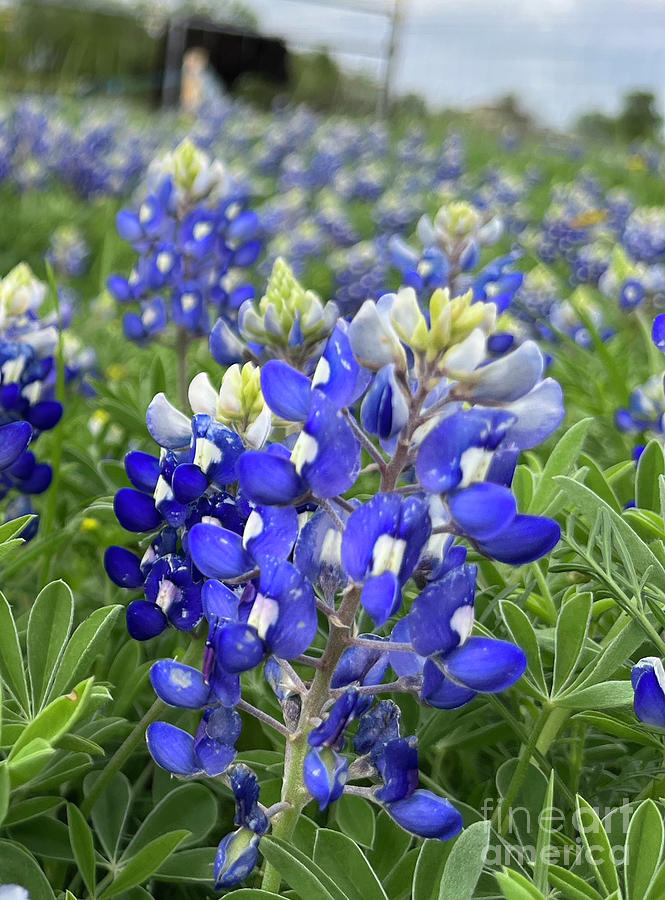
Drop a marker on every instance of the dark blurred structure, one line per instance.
(232, 53)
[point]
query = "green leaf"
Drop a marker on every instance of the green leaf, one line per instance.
(88, 640)
(465, 863)
(57, 718)
(252, 894)
(650, 466)
(596, 481)
(429, 869)
(643, 849)
(14, 527)
(305, 877)
(598, 696)
(29, 761)
(343, 860)
(583, 500)
(613, 656)
(4, 790)
(598, 851)
(523, 634)
(30, 809)
(657, 887)
(189, 807)
(523, 486)
(611, 725)
(19, 867)
(572, 886)
(571, 632)
(544, 838)
(83, 846)
(110, 811)
(11, 658)
(517, 887)
(390, 845)
(355, 818)
(49, 624)
(561, 461)
(146, 862)
(194, 866)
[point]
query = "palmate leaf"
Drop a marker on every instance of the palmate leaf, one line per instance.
(145, 863)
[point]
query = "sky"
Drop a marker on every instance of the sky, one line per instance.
(561, 57)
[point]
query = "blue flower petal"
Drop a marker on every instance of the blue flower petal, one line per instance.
(45, 415)
(219, 602)
(145, 620)
(538, 414)
(269, 479)
(167, 426)
(179, 685)
(14, 440)
(327, 453)
(188, 483)
(426, 815)
(485, 665)
(172, 749)
(440, 463)
(142, 470)
(338, 375)
(441, 617)
(123, 567)
(442, 693)
(237, 856)
(271, 531)
(362, 664)
(649, 692)
(382, 597)
(286, 391)
(483, 510)
(239, 648)
(295, 627)
(526, 538)
(217, 552)
(325, 772)
(510, 377)
(658, 332)
(136, 511)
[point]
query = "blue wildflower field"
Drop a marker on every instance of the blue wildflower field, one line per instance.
(333, 480)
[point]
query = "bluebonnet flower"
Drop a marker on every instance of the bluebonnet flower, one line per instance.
(648, 680)
(267, 535)
(68, 252)
(193, 234)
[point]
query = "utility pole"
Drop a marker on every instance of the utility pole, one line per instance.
(383, 102)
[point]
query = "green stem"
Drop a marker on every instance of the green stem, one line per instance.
(293, 790)
(545, 594)
(131, 742)
(545, 729)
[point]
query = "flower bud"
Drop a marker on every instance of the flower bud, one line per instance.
(237, 855)
(325, 773)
